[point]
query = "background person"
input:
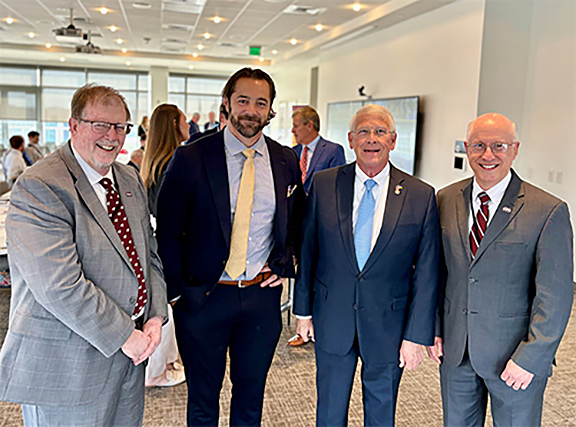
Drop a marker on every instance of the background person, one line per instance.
(143, 128)
(211, 123)
(13, 160)
(33, 150)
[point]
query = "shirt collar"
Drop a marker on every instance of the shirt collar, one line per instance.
(313, 144)
(380, 178)
(93, 176)
(235, 146)
(496, 192)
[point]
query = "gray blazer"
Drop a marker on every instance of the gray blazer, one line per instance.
(514, 299)
(73, 287)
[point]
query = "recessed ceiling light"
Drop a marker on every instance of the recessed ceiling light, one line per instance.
(31, 35)
(293, 42)
(207, 35)
(119, 41)
(9, 20)
(62, 59)
(141, 5)
(356, 7)
(195, 54)
(200, 47)
(217, 19)
(261, 59)
(124, 50)
(128, 63)
(190, 67)
(319, 27)
(274, 52)
(113, 28)
(48, 45)
(103, 10)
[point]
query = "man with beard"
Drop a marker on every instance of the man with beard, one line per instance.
(229, 218)
(88, 298)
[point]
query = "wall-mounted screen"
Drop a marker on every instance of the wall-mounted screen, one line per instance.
(405, 112)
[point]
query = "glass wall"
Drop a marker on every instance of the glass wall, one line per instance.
(196, 95)
(38, 98)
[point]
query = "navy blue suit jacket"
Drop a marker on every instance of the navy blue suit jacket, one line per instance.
(326, 155)
(194, 220)
(394, 297)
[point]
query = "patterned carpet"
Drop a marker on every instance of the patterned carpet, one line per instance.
(291, 398)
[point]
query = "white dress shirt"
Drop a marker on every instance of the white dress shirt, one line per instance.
(311, 148)
(94, 178)
(495, 193)
(14, 165)
(380, 193)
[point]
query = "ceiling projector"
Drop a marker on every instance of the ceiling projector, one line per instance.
(69, 34)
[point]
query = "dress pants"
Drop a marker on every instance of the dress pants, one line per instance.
(465, 397)
(334, 381)
(248, 322)
(121, 403)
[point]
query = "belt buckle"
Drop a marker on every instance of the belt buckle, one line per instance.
(240, 285)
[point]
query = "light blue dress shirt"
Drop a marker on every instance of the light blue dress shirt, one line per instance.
(261, 234)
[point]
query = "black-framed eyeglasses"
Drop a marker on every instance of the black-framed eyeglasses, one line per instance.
(103, 128)
(495, 147)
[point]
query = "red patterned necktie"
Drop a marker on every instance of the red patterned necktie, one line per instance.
(304, 163)
(120, 220)
(479, 226)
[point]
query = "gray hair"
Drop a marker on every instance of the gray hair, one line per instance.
(376, 110)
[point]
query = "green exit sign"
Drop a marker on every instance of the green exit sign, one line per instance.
(255, 50)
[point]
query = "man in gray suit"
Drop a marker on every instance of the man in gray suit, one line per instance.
(508, 285)
(88, 297)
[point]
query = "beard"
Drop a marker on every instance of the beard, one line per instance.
(251, 126)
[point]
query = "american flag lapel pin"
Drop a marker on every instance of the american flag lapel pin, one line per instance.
(506, 209)
(398, 189)
(128, 194)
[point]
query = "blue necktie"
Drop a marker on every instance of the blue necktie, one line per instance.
(364, 223)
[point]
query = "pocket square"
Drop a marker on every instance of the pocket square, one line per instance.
(291, 189)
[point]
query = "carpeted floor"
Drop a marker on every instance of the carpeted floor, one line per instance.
(291, 398)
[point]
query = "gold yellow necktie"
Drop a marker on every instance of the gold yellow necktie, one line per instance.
(239, 241)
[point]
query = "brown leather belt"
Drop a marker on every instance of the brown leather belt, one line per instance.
(261, 277)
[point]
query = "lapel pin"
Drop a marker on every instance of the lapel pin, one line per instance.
(398, 189)
(506, 209)
(128, 194)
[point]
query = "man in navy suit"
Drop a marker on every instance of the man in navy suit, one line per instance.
(229, 223)
(368, 275)
(315, 153)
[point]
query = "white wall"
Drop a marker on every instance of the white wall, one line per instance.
(435, 56)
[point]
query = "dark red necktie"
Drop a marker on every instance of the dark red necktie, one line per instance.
(304, 163)
(479, 226)
(120, 220)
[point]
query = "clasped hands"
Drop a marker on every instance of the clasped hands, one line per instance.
(141, 344)
(513, 375)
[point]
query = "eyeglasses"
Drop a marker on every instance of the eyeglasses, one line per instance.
(495, 147)
(379, 133)
(103, 128)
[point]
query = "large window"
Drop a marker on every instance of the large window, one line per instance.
(38, 98)
(196, 95)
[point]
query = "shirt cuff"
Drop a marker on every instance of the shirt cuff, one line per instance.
(302, 317)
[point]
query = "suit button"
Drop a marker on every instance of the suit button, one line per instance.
(224, 262)
(465, 311)
(354, 306)
(360, 278)
(471, 280)
(207, 293)
(132, 300)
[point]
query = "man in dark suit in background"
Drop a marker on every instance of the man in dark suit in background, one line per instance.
(315, 153)
(508, 290)
(368, 274)
(229, 221)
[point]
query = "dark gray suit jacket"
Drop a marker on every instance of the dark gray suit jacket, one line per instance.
(73, 286)
(514, 299)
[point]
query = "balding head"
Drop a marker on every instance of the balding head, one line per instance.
(495, 121)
